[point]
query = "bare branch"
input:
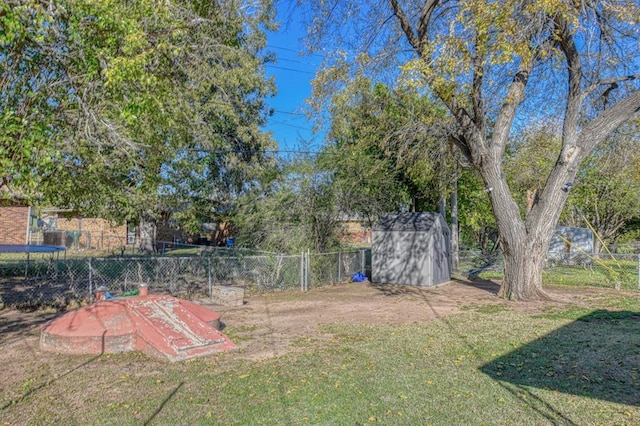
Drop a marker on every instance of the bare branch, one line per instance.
(406, 25)
(425, 19)
(609, 82)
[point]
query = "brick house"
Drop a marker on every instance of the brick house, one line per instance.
(354, 229)
(64, 227)
(93, 233)
(15, 224)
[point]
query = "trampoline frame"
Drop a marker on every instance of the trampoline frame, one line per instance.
(31, 248)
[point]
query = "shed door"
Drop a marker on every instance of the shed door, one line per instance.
(441, 260)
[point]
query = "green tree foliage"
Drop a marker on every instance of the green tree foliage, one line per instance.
(32, 98)
(477, 223)
(607, 188)
(605, 192)
(383, 150)
(530, 158)
(296, 211)
(157, 105)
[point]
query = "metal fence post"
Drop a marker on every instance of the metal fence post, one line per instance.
(302, 271)
(307, 267)
(339, 266)
(639, 272)
(90, 281)
(209, 277)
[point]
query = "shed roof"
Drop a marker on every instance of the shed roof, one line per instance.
(407, 222)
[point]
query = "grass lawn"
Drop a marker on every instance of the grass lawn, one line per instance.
(494, 364)
(604, 273)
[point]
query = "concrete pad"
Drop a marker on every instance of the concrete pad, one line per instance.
(227, 296)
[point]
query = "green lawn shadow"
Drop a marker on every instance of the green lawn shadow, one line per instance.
(596, 356)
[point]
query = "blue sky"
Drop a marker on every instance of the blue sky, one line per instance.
(293, 74)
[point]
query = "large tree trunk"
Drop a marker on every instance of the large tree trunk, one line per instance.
(523, 265)
(524, 242)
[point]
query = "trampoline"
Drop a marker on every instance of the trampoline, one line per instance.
(30, 248)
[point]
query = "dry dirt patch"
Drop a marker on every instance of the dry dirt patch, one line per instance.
(267, 324)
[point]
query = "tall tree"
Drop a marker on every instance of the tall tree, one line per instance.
(497, 65)
(383, 150)
(148, 93)
(295, 211)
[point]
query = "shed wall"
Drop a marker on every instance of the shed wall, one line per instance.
(581, 241)
(401, 257)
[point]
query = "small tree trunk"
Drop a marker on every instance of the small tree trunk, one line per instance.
(597, 248)
(455, 256)
(148, 230)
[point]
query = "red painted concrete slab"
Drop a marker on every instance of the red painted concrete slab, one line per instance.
(162, 326)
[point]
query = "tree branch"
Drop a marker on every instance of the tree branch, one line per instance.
(574, 66)
(425, 18)
(476, 93)
(406, 25)
(461, 143)
(609, 81)
(609, 120)
(515, 96)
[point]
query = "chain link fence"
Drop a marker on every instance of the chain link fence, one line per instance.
(335, 267)
(50, 281)
(47, 280)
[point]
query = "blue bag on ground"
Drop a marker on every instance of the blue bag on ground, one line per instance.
(358, 277)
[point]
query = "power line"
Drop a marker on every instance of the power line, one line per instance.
(296, 62)
(290, 69)
(288, 49)
(282, 48)
(289, 113)
(280, 123)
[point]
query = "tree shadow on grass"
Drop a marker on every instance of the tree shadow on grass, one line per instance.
(480, 284)
(596, 356)
(16, 325)
(404, 289)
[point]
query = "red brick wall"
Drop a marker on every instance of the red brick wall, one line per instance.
(354, 232)
(96, 233)
(14, 223)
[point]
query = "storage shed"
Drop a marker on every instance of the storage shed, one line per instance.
(412, 249)
(569, 243)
